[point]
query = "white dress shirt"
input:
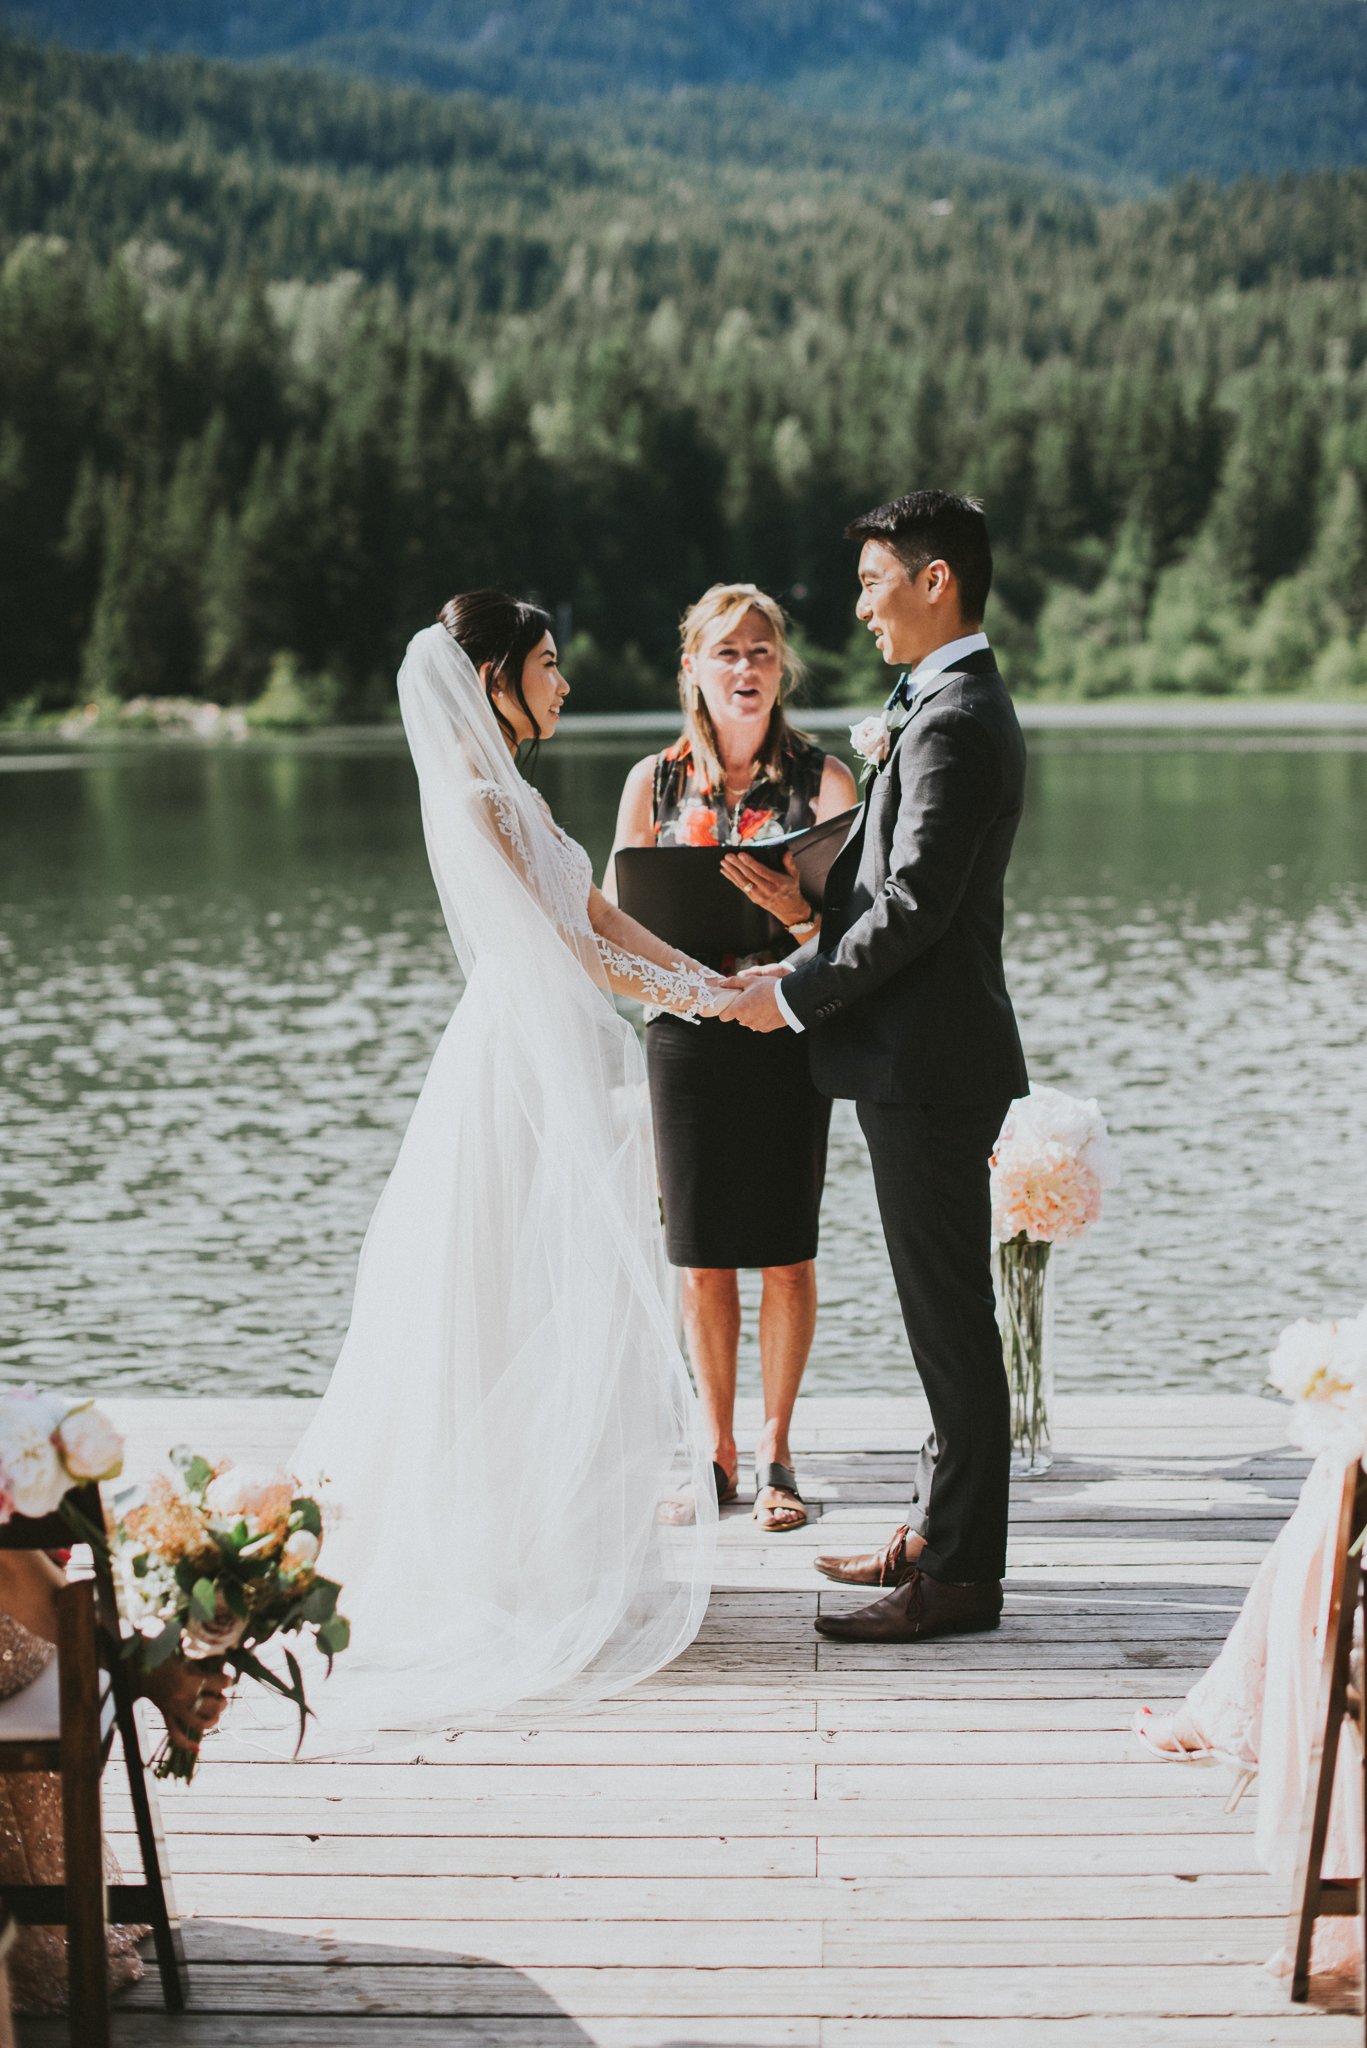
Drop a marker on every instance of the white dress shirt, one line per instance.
(938, 662)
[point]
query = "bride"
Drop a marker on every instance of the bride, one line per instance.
(523, 1498)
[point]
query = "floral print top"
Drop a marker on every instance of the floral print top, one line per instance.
(687, 813)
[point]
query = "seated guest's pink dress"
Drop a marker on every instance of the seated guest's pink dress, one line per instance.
(1259, 1700)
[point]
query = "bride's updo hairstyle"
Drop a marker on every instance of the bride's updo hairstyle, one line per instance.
(718, 612)
(502, 631)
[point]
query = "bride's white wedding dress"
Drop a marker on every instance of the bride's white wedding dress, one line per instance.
(510, 1430)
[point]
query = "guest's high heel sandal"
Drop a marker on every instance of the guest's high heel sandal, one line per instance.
(1244, 1772)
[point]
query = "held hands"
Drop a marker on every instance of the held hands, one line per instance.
(777, 891)
(753, 1002)
(190, 1696)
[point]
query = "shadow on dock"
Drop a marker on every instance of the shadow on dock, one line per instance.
(249, 1986)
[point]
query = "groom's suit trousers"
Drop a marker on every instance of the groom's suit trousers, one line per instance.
(930, 1169)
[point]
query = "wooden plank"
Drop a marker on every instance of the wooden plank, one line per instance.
(629, 1855)
(1065, 1990)
(989, 1944)
(550, 2029)
(1293, 2028)
(149, 2029)
(1128, 1776)
(939, 1814)
(1016, 1944)
(478, 1754)
(1097, 1895)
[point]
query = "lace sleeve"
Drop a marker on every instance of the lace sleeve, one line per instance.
(506, 821)
(686, 990)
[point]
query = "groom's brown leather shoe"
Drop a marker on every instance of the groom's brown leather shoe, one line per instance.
(890, 1567)
(920, 1608)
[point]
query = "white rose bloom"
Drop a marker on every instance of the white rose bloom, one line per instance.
(1322, 1367)
(1300, 1360)
(300, 1551)
(871, 738)
(90, 1445)
(1048, 1116)
(36, 1476)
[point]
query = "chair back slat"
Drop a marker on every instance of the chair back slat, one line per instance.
(78, 1661)
(1316, 1894)
(54, 1531)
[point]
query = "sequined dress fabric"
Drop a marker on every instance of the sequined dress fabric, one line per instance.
(31, 1851)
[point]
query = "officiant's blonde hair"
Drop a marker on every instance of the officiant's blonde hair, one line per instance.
(718, 612)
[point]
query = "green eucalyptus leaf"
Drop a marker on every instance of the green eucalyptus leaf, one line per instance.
(320, 1602)
(334, 1635)
(156, 1649)
(306, 1514)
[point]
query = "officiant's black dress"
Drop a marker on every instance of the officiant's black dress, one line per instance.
(740, 1131)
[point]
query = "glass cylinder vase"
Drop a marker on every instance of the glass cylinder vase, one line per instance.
(1023, 1275)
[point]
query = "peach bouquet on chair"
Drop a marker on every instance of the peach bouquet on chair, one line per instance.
(215, 1561)
(50, 1443)
(1050, 1164)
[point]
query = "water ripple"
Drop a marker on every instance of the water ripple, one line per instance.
(223, 979)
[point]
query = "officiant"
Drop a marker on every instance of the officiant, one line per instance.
(740, 1131)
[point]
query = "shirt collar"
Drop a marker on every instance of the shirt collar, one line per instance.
(936, 663)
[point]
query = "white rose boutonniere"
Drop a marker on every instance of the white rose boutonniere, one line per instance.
(873, 736)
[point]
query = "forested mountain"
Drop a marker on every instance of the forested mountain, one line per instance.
(286, 357)
(1145, 92)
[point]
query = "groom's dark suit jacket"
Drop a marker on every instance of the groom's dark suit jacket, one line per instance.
(905, 997)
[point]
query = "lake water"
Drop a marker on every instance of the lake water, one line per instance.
(222, 973)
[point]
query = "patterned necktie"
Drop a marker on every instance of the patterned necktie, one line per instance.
(903, 694)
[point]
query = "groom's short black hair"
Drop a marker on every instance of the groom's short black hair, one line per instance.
(935, 526)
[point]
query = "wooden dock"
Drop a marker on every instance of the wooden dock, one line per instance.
(782, 1842)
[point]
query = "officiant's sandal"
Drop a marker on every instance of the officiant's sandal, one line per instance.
(789, 1513)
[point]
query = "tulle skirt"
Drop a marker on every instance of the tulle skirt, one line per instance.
(518, 1494)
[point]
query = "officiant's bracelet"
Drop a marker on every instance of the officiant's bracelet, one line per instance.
(803, 929)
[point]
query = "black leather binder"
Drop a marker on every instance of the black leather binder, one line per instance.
(681, 894)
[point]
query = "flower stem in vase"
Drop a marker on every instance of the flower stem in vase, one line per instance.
(1025, 1319)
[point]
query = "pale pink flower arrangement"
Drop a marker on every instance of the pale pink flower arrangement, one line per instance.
(1050, 1164)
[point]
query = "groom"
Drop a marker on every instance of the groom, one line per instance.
(906, 1002)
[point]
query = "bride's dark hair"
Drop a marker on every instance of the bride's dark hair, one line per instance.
(501, 630)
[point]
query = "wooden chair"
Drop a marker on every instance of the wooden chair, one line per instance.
(65, 1722)
(1340, 1704)
(8, 1930)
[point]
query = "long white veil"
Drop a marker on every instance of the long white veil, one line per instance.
(510, 1426)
